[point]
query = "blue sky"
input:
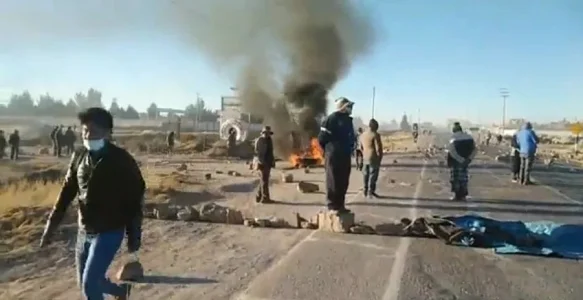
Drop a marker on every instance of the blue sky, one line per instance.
(448, 58)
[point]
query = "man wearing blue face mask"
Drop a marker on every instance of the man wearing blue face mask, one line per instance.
(109, 188)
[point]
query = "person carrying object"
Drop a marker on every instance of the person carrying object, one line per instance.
(109, 188)
(337, 139)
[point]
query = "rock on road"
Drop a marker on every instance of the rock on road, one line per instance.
(218, 262)
(327, 266)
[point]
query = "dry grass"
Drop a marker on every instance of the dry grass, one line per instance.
(25, 205)
(155, 142)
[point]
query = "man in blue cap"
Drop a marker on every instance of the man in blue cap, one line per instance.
(337, 139)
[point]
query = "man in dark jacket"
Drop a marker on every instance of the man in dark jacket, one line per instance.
(109, 188)
(54, 142)
(60, 140)
(265, 162)
(461, 151)
(2, 144)
(170, 142)
(70, 140)
(415, 132)
(337, 139)
(14, 142)
(515, 157)
(232, 141)
(358, 151)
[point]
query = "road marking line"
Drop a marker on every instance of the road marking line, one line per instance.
(398, 268)
(352, 243)
(243, 295)
(550, 188)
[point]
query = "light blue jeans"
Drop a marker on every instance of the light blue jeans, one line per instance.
(95, 252)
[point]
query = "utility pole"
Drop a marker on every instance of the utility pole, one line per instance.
(373, 99)
(504, 93)
(418, 116)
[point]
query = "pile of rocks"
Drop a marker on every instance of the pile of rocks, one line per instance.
(209, 212)
(330, 221)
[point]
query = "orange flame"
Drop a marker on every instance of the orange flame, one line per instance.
(314, 151)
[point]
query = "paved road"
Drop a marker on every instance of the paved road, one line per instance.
(332, 266)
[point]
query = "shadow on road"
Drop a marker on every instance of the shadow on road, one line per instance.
(162, 279)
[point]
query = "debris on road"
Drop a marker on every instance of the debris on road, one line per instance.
(214, 213)
(234, 173)
(287, 177)
(333, 221)
(307, 187)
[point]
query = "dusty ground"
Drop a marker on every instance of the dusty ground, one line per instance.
(209, 261)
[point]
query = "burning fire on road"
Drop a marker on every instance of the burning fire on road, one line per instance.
(311, 156)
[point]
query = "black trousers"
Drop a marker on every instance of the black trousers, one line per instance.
(338, 169)
(515, 164)
(14, 152)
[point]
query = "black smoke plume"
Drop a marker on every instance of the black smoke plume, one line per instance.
(285, 55)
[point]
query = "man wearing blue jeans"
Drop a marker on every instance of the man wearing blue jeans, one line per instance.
(372, 152)
(109, 188)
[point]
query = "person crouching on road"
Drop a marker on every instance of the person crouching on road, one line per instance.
(515, 157)
(527, 143)
(265, 162)
(372, 149)
(337, 139)
(461, 151)
(358, 151)
(109, 188)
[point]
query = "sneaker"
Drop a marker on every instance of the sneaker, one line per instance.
(514, 180)
(266, 201)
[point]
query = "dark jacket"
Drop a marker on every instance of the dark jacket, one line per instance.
(2, 142)
(461, 149)
(170, 139)
(337, 136)
(53, 134)
(14, 140)
(264, 151)
(109, 191)
(70, 137)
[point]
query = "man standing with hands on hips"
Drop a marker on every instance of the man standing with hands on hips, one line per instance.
(109, 187)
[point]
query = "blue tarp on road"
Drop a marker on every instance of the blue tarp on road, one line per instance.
(552, 239)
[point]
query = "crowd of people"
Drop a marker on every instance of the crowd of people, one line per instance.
(109, 187)
(62, 139)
